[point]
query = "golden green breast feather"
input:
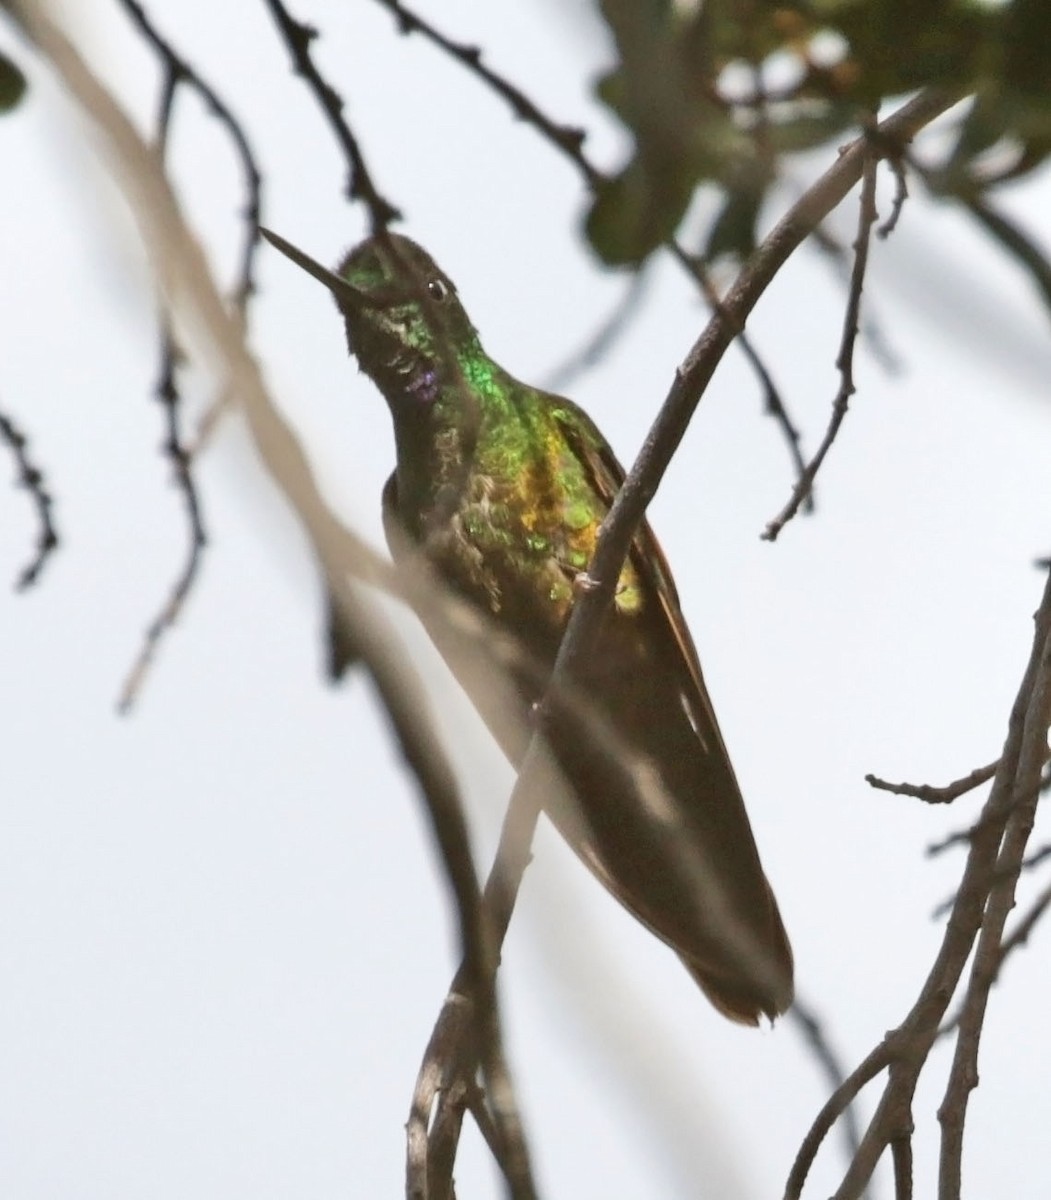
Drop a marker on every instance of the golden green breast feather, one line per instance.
(532, 497)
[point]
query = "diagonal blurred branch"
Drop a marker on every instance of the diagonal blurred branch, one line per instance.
(217, 337)
(603, 339)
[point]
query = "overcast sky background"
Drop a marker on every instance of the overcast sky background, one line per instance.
(223, 934)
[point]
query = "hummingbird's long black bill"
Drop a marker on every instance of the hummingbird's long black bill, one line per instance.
(344, 292)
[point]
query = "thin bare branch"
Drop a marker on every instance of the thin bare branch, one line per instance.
(179, 457)
(360, 186)
(867, 216)
(182, 72)
(29, 476)
(988, 955)
(834, 1107)
(901, 1156)
(566, 138)
(997, 842)
(938, 795)
(178, 72)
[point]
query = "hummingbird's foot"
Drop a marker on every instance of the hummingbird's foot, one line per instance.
(583, 582)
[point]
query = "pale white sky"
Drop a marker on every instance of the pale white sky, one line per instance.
(223, 937)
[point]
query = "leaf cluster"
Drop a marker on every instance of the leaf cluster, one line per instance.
(720, 94)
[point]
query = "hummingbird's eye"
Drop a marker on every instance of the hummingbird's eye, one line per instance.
(437, 289)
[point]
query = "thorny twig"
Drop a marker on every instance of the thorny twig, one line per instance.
(360, 186)
(31, 478)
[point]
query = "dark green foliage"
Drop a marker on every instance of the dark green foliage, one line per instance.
(12, 84)
(717, 94)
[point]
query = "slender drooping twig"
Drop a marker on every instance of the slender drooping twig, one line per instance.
(177, 72)
(844, 359)
(29, 476)
(359, 186)
(773, 403)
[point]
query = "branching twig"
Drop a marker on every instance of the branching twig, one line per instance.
(613, 541)
(844, 360)
(359, 186)
(31, 478)
(181, 72)
(997, 847)
(988, 955)
(568, 139)
(938, 795)
(178, 72)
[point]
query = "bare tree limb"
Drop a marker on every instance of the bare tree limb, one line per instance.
(997, 849)
(938, 795)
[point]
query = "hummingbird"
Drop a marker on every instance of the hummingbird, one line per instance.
(503, 487)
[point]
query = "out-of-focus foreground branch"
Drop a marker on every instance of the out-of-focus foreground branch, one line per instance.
(216, 337)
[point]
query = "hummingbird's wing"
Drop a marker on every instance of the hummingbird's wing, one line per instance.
(696, 768)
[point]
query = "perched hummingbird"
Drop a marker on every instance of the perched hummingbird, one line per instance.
(503, 488)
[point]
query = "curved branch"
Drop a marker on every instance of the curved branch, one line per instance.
(29, 476)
